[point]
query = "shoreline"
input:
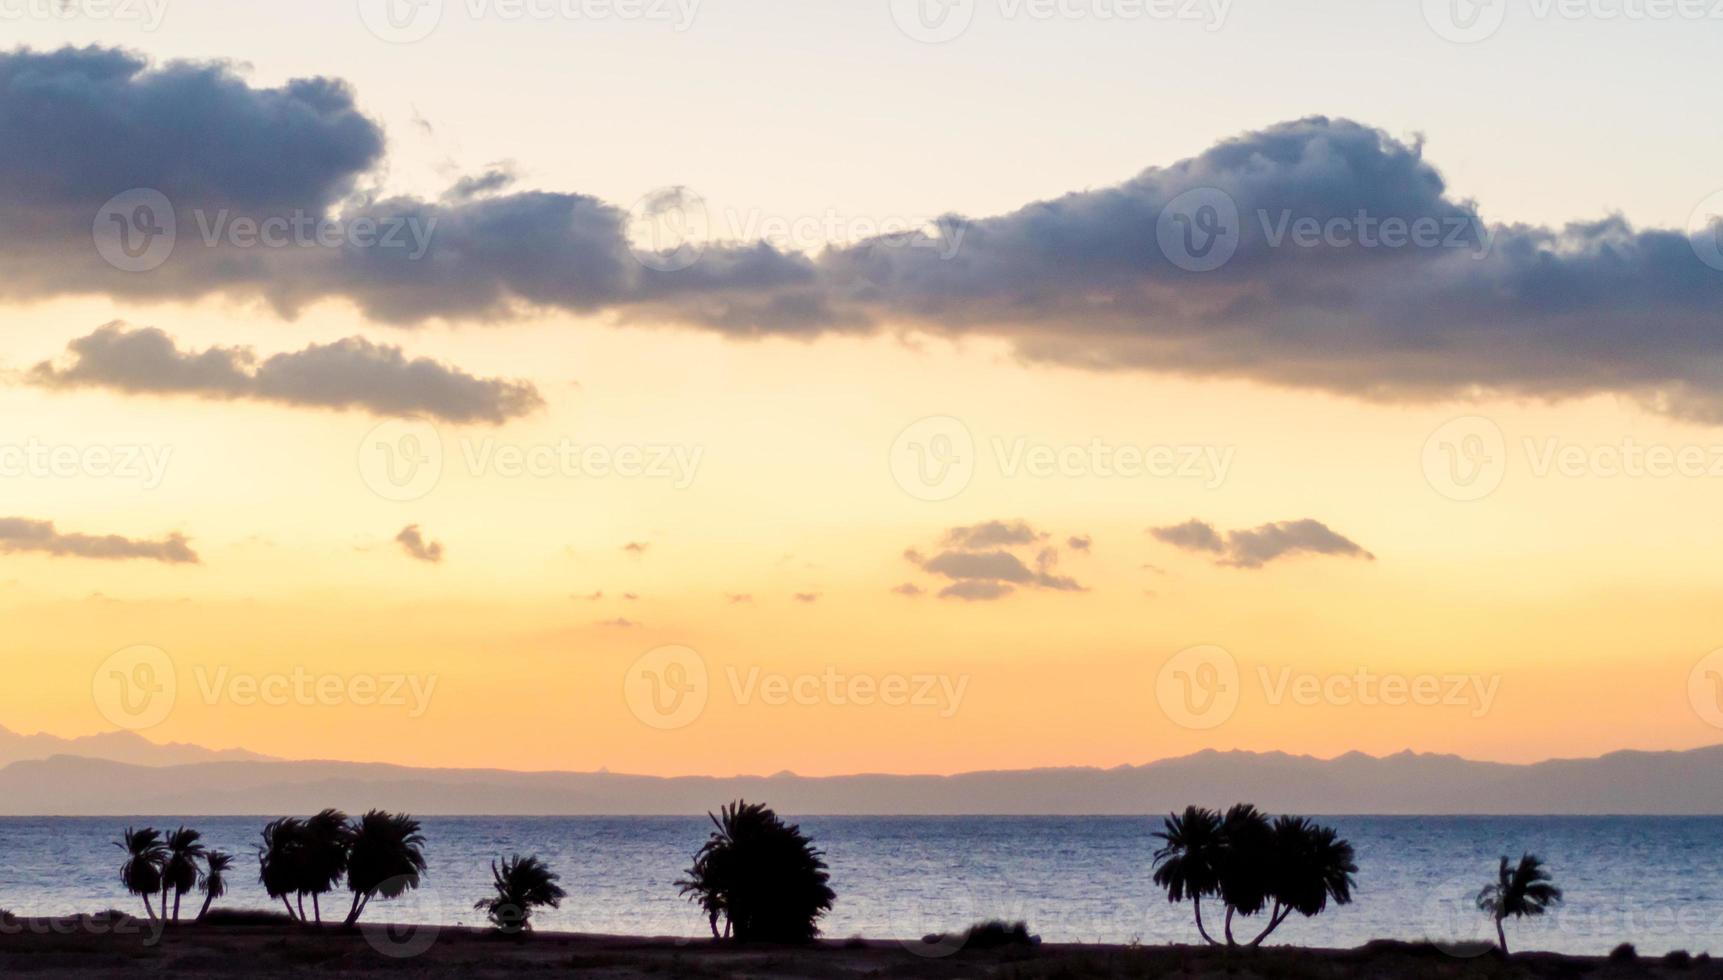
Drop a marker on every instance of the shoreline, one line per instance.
(253, 944)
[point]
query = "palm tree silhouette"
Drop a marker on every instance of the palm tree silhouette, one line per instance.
(386, 857)
(279, 860)
(179, 869)
(1520, 891)
(214, 882)
(763, 876)
(142, 871)
(1310, 865)
(1245, 860)
(522, 885)
(324, 860)
(1188, 863)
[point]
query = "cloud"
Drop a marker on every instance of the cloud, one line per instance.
(807, 597)
(415, 544)
(618, 623)
(1258, 546)
(991, 534)
(909, 589)
(636, 547)
(19, 534)
(977, 561)
(1081, 542)
(593, 597)
(1192, 535)
(738, 598)
(347, 374)
(1591, 307)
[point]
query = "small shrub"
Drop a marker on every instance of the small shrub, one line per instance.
(1678, 958)
(1625, 953)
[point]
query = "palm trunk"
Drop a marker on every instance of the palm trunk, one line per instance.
(147, 909)
(301, 898)
(353, 913)
(289, 905)
(1229, 939)
(1197, 901)
(1275, 918)
(205, 910)
(317, 908)
(176, 897)
(1501, 935)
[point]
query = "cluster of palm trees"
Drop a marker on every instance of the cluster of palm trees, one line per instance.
(766, 880)
(173, 865)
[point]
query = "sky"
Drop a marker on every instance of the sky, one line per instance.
(742, 386)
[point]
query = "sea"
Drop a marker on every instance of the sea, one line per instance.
(1655, 882)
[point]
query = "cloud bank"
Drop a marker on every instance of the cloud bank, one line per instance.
(348, 374)
(979, 565)
(1593, 307)
(19, 534)
(414, 543)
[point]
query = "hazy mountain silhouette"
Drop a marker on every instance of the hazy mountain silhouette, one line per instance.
(128, 747)
(1689, 782)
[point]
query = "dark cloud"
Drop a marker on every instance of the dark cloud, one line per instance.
(1081, 542)
(19, 534)
(980, 567)
(1594, 306)
(347, 374)
(1258, 546)
(417, 545)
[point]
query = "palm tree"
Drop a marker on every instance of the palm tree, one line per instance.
(142, 872)
(325, 855)
(1520, 891)
(214, 882)
(522, 885)
(1187, 864)
(1311, 865)
(179, 870)
(763, 876)
(386, 857)
(279, 860)
(1246, 856)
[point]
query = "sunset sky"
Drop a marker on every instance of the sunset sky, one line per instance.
(1016, 465)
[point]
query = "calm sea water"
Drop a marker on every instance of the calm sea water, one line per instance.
(1656, 882)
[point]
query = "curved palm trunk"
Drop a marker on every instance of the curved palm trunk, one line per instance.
(1229, 939)
(1278, 916)
(353, 911)
(206, 903)
(1198, 902)
(1501, 935)
(301, 906)
(289, 905)
(317, 908)
(147, 909)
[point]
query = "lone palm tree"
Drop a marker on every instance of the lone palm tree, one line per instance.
(279, 860)
(763, 876)
(386, 856)
(522, 885)
(179, 869)
(214, 883)
(1188, 863)
(142, 872)
(1520, 891)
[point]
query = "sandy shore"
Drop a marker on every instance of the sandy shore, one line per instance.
(102, 947)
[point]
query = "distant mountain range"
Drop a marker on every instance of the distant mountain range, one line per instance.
(128, 747)
(185, 780)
